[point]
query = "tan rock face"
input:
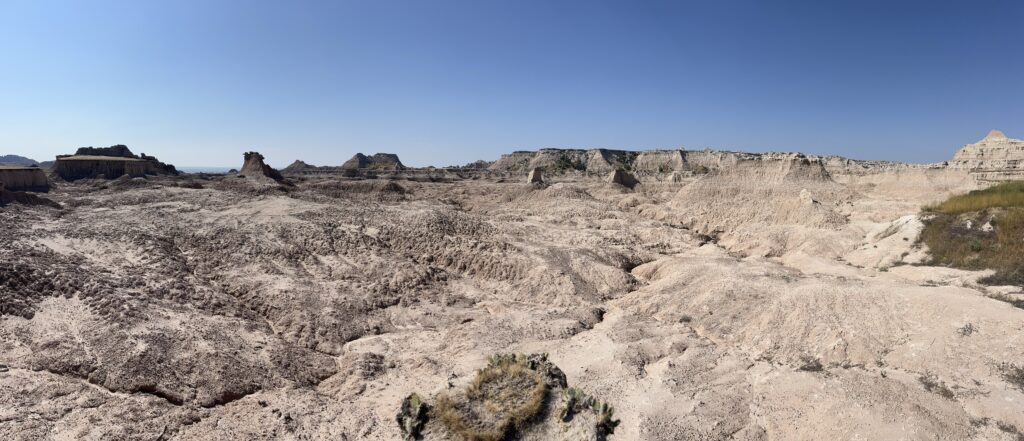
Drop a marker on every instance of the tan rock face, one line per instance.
(24, 179)
(79, 167)
(379, 161)
(995, 158)
(536, 176)
(623, 178)
(254, 166)
(110, 163)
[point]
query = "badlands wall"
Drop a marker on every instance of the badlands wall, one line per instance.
(994, 158)
(24, 179)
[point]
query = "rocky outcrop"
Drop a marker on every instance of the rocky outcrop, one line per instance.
(106, 167)
(536, 176)
(24, 198)
(623, 178)
(379, 161)
(120, 151)
(761, 193)
(109, 163)
(298, 167)
(995, 158)
(255, 167)
(24, 178)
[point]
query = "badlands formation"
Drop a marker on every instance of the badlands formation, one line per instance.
(676, 294)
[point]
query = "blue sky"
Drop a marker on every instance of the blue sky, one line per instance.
(448, 82)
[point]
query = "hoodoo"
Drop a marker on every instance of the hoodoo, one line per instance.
(255, 167)
(536, 176)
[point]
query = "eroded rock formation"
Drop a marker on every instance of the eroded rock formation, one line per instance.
(379, 161)
(109, 163)
(623, 178)
(24, 178)
(255, 167)
(536, 176)
(994, 158)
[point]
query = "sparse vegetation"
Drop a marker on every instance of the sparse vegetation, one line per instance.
(412, 417)
(577, 401)
(1010, 429)
(1013, 374)
(503, 397)
(1009, 194)
(700, 170)
(626, 160)
(932, 384)
(983, 229)
(966, 330)
(811, 364)
(564, 163)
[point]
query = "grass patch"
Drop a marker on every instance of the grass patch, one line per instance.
(502, 397)
(1008, 194)
(991, 236)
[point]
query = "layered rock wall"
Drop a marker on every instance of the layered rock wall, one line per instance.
(646, 162)
(379, 161)
(110, 163)
(72, 168)
(995, 158)
(24, 179)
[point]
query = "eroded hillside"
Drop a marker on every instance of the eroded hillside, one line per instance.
(766, 300)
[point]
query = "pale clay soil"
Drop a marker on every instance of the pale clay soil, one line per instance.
(149, 311)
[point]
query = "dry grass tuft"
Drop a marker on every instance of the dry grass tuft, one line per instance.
(502, 398)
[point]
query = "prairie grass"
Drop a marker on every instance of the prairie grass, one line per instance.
(954, 234)
(1005, 195)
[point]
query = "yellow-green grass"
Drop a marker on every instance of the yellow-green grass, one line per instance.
(955, 235)
(1005, 195)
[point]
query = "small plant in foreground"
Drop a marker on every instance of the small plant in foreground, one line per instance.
(1013, 374)
(967, 330)
(577, 401)
(811, 364)
(932, 384)
(503, 397)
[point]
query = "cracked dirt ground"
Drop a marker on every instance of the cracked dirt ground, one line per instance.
(750, 305)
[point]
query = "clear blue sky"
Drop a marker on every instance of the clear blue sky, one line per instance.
(197, 82)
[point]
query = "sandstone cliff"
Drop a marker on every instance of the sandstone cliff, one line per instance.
(16, 178)
(605, 161)
(110, 163)
(995, 158)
